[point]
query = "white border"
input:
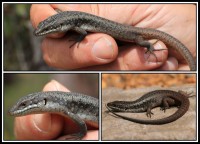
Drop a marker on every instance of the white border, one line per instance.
(99, 72)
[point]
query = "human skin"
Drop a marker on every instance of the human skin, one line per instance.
(48, 126)
(100, 52)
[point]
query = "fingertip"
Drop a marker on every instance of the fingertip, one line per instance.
(91, 135)
(161, 53)
(54, 85)
(38, 127)
(158, 58)
(170, 64)
(39, 12)
(184, 67)
(104, 50)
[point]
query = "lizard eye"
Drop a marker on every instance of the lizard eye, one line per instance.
(22, 105)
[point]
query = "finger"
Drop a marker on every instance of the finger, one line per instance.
(45, 126)
(95, 49)
(69, 126)
(135, 58)
(91, 135)
(53, 85)
(170, 64)
(183, 67)
(37, 127)
(40, 126)
(40, 12)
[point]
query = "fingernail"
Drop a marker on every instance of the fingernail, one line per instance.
(42, 122)
(171, 64)
(103, 49)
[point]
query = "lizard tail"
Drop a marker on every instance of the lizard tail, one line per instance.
(173, 43)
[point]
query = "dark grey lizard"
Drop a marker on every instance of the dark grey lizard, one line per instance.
(163, 98)
(82, 23)
(79, 107)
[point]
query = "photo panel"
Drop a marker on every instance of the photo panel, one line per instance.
(64, 36)
(149, 107)
(70, 103)
(102, 72)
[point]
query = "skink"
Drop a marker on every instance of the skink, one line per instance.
(163, 98)
(82, 23)
(79, 107)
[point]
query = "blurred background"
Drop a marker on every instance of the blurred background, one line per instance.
(18, 85)
(21, 48)
(130, 81)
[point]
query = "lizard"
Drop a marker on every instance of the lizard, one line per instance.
(83, 23)
(150, 100)
(80, 108)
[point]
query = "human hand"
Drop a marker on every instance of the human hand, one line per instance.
(48, 126)
(100, 52)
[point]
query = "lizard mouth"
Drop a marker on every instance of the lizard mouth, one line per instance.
(41, 32)
(112, 108)
(20, 112)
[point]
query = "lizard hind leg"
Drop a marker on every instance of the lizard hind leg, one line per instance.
(167, 102)
(149, 113)
(77, 40)
(150, 48)
(82, 34)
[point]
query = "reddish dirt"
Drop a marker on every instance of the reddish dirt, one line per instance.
(128, 81)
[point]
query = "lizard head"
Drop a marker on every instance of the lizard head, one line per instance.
(27, 105)
(60, 22)
(47, 26)
(116, 106)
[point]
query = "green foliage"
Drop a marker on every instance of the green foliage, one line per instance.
(16, 33)
(21, 47)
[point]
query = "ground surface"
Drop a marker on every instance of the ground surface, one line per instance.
(118, 129)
